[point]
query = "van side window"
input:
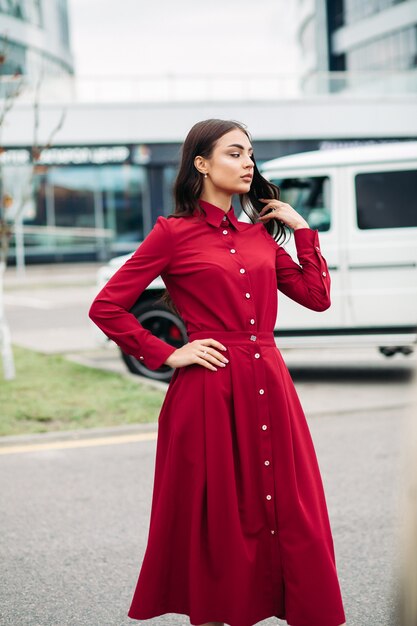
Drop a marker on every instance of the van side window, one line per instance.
(386, 199)
(310, 197)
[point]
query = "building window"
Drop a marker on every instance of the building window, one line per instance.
(104, 197)
(386, 199)
(62, 16)
(310, 197)
(394, 51)
(77, 197)
(356, 10)
(26, 10)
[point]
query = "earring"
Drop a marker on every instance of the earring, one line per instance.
(205, 175)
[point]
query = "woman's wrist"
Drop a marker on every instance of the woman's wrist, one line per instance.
(169, 360)
(302, 224)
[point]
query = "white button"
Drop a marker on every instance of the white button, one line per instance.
(242, 271)
(252, 321)
(225, 218)
(253, 337)
(225, 232)
(247, 295)
(141, 358)
(232, 250)
(266, 462)
(324, 274)
(257, 355)
(272, 532)
(261, 391)
(264, 426)
(268, 497)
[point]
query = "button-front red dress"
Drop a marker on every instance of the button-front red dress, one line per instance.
(239, 528)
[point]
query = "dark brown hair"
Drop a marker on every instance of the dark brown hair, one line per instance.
(188, 185)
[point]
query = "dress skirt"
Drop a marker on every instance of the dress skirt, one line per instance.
(239, 529)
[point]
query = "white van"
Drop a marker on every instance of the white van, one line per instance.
(363, 201)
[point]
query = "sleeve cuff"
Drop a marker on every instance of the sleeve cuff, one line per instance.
(156, 355)
(306, 236)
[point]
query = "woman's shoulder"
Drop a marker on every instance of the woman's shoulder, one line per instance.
(178, 223)
(170, 222)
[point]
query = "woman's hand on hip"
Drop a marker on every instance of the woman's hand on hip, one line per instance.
(275, 209)
(200, 352)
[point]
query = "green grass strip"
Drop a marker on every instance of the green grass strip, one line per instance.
(51, 393)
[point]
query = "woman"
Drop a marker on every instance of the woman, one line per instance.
(239, 529)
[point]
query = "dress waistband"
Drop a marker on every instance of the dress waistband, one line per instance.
(235, 337)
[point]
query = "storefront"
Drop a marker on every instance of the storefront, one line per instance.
(93, 202)
(86, 202)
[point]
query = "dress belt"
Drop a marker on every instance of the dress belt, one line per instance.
(235, 337)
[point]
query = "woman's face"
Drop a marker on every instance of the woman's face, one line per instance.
(230, 167)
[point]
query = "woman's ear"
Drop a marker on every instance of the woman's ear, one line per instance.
(199, 163)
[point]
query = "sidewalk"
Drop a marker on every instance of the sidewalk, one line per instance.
(37, 276)
(55, 297)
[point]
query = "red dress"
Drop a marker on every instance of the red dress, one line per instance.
(239, 528)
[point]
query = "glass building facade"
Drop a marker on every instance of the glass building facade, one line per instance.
(356, 10)
(391, 45)
(357, 36)
(34, 38)
(393, 51)
(86, 202)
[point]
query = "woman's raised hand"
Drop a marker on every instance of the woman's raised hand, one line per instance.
(283, 212)
(201, 352)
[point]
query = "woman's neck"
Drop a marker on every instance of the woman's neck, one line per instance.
(223, 201)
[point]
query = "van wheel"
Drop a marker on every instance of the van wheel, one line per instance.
(387, 351)
(167, 326)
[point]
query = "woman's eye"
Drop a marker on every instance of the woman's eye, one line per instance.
(235, 154)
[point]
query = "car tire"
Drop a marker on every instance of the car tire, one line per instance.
(165, 325)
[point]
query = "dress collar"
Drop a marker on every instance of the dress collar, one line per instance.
(214, 215)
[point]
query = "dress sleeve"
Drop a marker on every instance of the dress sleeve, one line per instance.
(308, 282)
(110, 308)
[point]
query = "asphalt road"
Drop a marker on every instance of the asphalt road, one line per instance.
(74, 522)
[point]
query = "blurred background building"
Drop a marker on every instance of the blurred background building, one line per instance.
(360, 46)
(98, 188)
(34, 36)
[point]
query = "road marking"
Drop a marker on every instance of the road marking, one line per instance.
(78, 443)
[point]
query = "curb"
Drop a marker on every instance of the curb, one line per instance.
(132, 429)
(77, 434)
